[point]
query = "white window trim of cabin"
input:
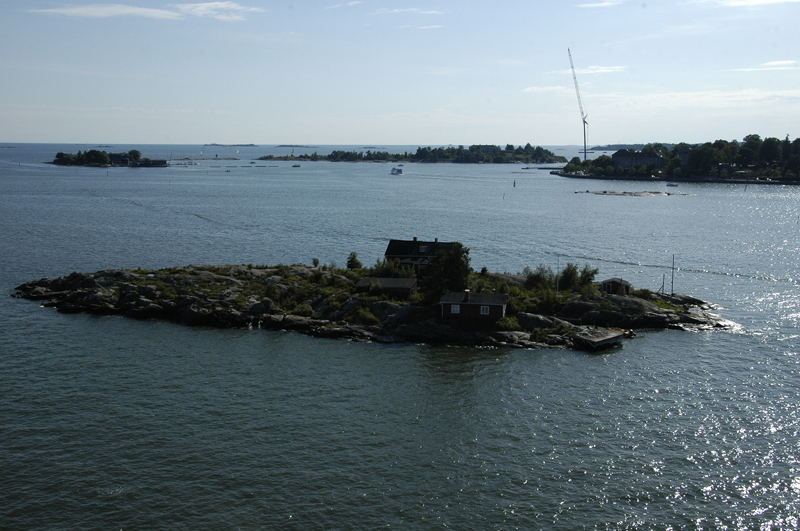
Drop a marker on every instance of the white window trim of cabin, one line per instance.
(455, 308)
(484, 310)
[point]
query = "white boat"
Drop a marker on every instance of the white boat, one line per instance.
(397, 171)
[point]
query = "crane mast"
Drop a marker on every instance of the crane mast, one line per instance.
(580, 103)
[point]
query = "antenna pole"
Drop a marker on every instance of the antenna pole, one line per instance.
(673, 275)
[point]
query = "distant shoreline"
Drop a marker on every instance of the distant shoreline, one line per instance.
(651, 179)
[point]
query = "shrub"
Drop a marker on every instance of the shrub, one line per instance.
(303, 310)
(364, 316)
(515, 306)
(508, 323)
(390, 269)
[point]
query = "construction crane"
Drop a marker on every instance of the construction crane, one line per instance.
(584, 116)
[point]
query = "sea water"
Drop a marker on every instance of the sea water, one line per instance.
(109, 422)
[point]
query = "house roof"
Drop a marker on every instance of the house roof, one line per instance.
(415, 248)
(388, 283)
(635, 154)
(485, 299)
(616, 280)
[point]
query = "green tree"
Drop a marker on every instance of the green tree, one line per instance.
(587, 275)
(703, 159)
(771, 150)
(353, 262)
(447, 271)
(602, 161)
(134, 155)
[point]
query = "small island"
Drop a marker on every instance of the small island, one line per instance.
(448, 304)
(475, 154)
(102, 159)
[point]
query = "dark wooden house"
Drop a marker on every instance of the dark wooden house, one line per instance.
(467, 305)
(415, 254)
(616, 286)
(627, 158)
(396, 288)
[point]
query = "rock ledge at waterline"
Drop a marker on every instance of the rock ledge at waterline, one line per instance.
(236, 297)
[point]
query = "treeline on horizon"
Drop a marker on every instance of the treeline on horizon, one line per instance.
(754, 157)
(474, 154)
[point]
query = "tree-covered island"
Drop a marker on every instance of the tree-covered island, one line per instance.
(94, 157)
(475, 154)
(752, 159)
(543, 308)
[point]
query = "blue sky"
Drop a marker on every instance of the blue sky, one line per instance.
(398, 71)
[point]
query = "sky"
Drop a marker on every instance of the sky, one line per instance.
(391, 72)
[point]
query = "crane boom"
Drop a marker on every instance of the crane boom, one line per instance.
(584, 116)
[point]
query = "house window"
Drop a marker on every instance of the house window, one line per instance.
(484, 310)
(423, 248)
(455, 308)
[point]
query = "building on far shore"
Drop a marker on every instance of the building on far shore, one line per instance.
(467, 305)
(627, 158)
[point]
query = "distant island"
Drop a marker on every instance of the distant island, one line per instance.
(475, 154)
(753, 160)
(230, 145)
(617, 147)
(94, 157)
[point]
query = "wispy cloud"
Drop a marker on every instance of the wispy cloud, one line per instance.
(430, 27)
(109, 10)
(608, 3)
(744, 3)
(772, 65)
(348, 4)
(408, 10)
(228, 11)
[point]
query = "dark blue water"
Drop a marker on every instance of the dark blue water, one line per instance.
(113, 423)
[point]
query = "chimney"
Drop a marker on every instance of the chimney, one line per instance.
(436, 240)
(415, 238)
(466, 295)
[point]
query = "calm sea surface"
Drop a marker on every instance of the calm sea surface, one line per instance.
(110, 423)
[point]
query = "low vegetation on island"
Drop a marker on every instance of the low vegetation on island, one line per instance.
(544, 308)
(475, 154)
(753, 158)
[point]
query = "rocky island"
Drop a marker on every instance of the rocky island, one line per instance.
(329, 302)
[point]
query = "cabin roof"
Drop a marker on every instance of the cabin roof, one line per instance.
(616, 280)
(414, 248)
